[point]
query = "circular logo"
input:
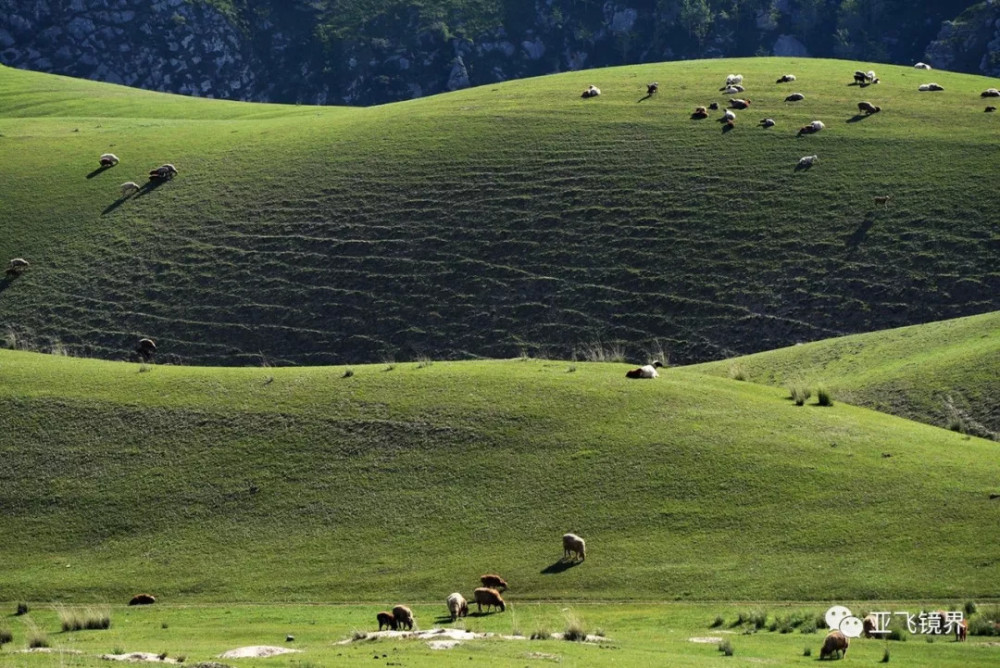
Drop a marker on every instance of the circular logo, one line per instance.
(851, 626)
(835, 615)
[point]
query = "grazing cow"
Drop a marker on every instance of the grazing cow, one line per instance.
(574, 547)
(387, 620)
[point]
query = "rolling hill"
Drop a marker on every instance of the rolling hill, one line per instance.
(497, 220)
(314, 484)
(942, 373)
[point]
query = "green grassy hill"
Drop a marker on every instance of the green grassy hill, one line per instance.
(942, 373)
(243, 484)
(490, 221)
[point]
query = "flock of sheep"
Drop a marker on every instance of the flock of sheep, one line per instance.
(488, 596)
(734, 85)
(161, 173)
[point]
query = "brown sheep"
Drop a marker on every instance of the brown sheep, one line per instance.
(835, 642)
(868, 108)
(142, 599)
(700, 113)
(574, 546)
(489, 598)
(962, 630)
(457, 606)
(386, 619)
(868, 625)
(736, 103)
(403, 617)
(493, 582)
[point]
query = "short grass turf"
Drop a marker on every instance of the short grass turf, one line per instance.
(637, 635)
(411, 480)
(505, 218)
(942, 373)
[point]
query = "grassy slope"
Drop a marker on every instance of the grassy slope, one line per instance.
(208, 484)
(508, 217)
(911, 371)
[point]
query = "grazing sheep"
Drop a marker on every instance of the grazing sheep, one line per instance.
(714, 106)
(489, 598)
(870, 75)
(494, 582)
(868, 108)
(129, 187)
(767, 123)
(734, 79)
(732, 90)
(387, 620)
(811, 128)
(795, 97)
(17, 265)
(860, 77)
(787, 78)
(457, 606)
(403, 617)
(990, 92)
(164, 172)
(575, 546)
(834, 642)
(922, 66)
(929, 87)
(737, 103)
(700, 112)
(962, 630)
(592, 91)
(882, 199)
(146, 348)
(109, 160)
(807, 161)
(728, 116)
(647, 371)
(990, 108)
(142, 599)
(652, 88)
(868, 625)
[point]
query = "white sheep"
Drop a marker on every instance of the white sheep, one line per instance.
(734, 79)
(729, 115)
(806, 162)
(457, 606)
(109, 160)
(17, 266)
(129, 187)
(787, 78)
(870, 75)
(929, 87)
(922, 66)
(767, 123)
(592, 91)
(732, 90)
(990, 92)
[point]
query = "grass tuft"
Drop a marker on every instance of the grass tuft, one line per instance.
(726, 647)
(823, 396)
(799, 393)
(541, 634)
(885, 656)
(737, 371)
(5, 636)
(717, 622)
(22, 609)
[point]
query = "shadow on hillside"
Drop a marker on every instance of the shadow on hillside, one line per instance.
(114, 205)
(149, 186)
(727, 127)
(478, 614)
(98, 171)
(802, 166)
(559, 566)
(5, 282)
(643, 99)
(857, 117)
(858, 236)
(443, 619)
(859, 85)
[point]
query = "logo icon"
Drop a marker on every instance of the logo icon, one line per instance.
(839, 618)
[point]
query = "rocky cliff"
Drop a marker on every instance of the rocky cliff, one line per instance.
(345, 53)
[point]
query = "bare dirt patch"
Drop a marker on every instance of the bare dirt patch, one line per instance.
(256, 652)
(138, 656)
(707, 640)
